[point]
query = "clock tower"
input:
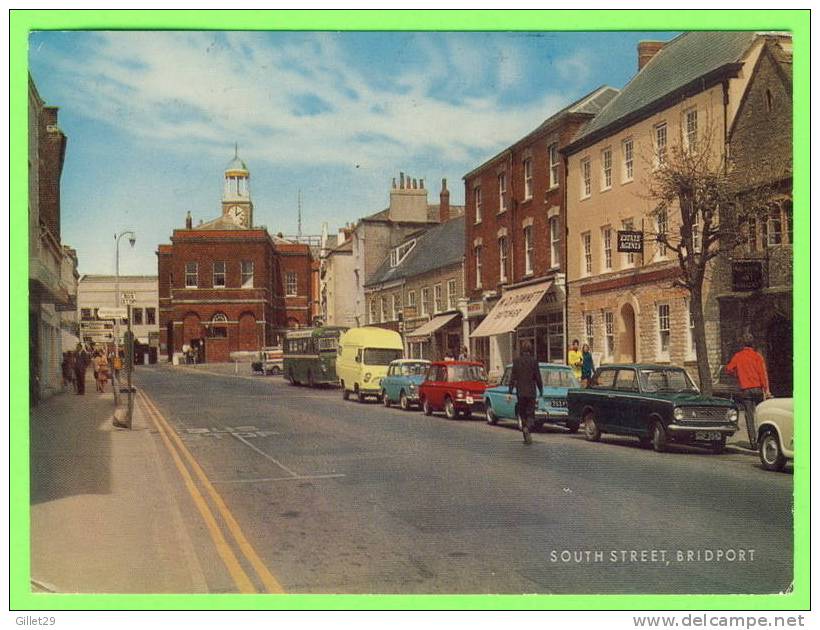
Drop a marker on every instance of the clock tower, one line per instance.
(236, 197)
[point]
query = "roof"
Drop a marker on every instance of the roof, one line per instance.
(372, 337)
(403, 361)
(589, 104)
(432, 214)
(222, 222)
(89, 277)
(683, 60)
(439, 246)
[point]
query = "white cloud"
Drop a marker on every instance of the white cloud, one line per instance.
(575, 68)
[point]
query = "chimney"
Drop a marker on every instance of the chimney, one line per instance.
(189, 222)
(444, 203)
(646, 50)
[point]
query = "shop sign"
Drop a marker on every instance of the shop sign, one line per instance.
(630, 241)
(747, 275)
(476, 308)
(153, 338)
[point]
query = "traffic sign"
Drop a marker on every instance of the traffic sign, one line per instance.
(112, 312)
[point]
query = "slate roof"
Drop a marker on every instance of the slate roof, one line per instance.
(680, 62)
(438, 247)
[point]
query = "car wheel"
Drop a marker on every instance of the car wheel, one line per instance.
(659, 438)
(359, 395)
(645, 441)
(573, 427)
(403, 402)
(490, 415)
(450, 409)
(771, 455)
(427, 407)
(385, 398)
(276, 371)
(345, 393)
(591, 429)
(718, 446)
(291, 378)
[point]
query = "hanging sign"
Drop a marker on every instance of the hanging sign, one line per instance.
(630, 241)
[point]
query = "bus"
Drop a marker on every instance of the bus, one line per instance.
(310, 355)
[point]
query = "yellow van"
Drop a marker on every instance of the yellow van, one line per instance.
(364, 354)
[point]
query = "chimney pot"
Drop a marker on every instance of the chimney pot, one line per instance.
(444, 203)
(401, 180)
(188, 221)
(647, 50)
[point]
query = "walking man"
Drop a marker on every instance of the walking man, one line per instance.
(525, 379)
(80, 366)
(750, 368)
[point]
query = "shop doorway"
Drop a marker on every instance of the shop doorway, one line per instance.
(626, 343)
(779, 356)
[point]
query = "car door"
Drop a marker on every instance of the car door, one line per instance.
(389, 382)
(626, 401)
(602, 397)
(504, 408)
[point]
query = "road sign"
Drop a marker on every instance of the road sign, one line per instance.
(112, 312)
(128, 297)
(96, 327)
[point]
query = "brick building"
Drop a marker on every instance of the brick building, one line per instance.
(624, 305)
(229, 286)
(514, 241)
(754, 281)
(418, 288)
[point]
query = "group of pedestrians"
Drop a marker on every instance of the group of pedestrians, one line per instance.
(75, 366)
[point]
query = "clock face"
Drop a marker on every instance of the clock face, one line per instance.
(237, 214)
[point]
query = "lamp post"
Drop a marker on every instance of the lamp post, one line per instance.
(132, 239)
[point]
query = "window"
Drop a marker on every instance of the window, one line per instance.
(396, 306)
(609, 334)
(605, 379)
(586, 243)
(136, 315)
(291, 284)
(663, 331)
(150, 316)
(85, 314)
(691, 353)
(752, 234)
(691, 129)
(589, 330)
(502, 192)
(628, 172)
(438, 300)
(553, 165)
(502, 259)
(528, 250)
(426, 305)
(626, 381)
(452, 298)
(787, 212)
(247, 274)
(555, 242)
(385, 313)
(696, 240)
(191, 275)
(411, 299)
(374, 311)
(606, 240)
(527, 179)
(606, 169)
(219, 274)
(660, 144)
(586, 179)
(477, 198)
(628, 224)
(774, 227)
(398, 254)
(662, 224)
(477, 254)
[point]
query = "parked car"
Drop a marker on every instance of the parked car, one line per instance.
(658, 404)
(269, 361)
(726, 386)
(364, 354)
(401, 385)
(455, 387)
(550, 408)
(775, 432)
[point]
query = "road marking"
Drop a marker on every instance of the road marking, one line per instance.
(240, 578)
(264, 479)
(271, 583)
(265, 455)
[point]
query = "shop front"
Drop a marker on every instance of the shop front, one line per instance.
(437, 339)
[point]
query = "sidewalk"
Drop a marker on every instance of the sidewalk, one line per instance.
(739, 442)
(104, 514)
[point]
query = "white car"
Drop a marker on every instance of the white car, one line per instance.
(775, 432)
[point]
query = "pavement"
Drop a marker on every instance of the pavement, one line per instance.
(107, 514)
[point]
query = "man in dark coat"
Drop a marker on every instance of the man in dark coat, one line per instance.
(525, 378)
(81, 361)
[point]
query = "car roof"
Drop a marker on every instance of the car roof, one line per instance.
(457, 363)
(401, 361)
(543, 364)
(641, 366)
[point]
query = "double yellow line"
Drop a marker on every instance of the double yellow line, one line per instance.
(178, 451)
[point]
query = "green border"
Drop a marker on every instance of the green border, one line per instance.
(23, 21)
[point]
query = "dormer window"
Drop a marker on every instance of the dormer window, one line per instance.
(398, 254)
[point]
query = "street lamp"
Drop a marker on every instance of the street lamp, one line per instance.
(132, 239)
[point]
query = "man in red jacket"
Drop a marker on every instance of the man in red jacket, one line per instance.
(750, 368)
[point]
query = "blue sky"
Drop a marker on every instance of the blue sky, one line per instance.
(152, 117)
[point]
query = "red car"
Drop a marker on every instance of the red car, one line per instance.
(455, 387)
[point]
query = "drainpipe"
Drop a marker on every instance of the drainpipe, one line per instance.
(564, 216)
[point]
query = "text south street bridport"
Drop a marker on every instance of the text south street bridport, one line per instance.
(644, 556)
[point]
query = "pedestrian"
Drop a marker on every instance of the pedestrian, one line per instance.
(80, 366)
(465, 354)
(67, 368)
(102, 371)
(750, 368)
(575, 359)
(525, 378)
(587, 366)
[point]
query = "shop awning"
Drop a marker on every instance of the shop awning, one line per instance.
(511, 310)
(439, 321)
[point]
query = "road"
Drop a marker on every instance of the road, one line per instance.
(343, 497)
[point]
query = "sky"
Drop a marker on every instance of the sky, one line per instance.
(152, 119)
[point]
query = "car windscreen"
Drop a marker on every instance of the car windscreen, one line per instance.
(413, 369)
(458, 373)
(558, 378)
(666, 380)
(381, 356)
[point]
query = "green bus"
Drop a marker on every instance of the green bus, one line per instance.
(310, 355)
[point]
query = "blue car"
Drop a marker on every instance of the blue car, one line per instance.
(401, 385)
(550, 408)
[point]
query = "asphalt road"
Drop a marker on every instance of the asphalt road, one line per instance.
(343, 497)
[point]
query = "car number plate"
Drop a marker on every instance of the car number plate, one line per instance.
(710, 436)
(469, 400)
